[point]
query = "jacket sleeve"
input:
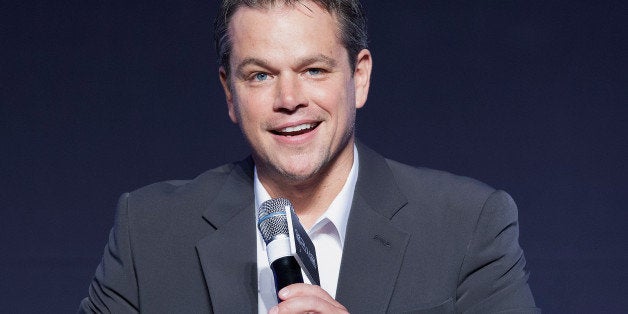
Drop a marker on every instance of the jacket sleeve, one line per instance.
(114, 286)
(492, 276)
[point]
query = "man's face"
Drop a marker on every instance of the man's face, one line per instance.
(291, 89)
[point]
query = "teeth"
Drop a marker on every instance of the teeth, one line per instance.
(297, 128)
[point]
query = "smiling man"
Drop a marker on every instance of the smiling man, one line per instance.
(389, 237)
(293, 90)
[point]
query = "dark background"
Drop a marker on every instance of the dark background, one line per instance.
(102, 97)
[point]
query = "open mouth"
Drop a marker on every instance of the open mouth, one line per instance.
(297, 129)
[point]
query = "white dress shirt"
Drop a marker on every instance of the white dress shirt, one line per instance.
(327, 234)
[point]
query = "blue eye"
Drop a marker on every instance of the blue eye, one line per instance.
(314, 71)
(261, 76)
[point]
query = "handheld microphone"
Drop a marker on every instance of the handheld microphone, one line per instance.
(288, 246)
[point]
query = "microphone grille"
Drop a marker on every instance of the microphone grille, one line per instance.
(271, 218)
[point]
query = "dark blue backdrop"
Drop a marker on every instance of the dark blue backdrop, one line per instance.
(102, 97)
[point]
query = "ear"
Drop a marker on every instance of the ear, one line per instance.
(362, 77)
(226, 86)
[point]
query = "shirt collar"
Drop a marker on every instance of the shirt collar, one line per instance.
(338, 211)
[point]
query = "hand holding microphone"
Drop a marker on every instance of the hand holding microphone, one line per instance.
(290, 249)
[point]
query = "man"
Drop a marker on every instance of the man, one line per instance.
(389, 238)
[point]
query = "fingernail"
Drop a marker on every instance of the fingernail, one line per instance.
(284, 293)
(274, 310)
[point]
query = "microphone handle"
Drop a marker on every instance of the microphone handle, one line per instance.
(286, 271)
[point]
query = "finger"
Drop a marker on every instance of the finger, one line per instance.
(301, 290)
(307, 304)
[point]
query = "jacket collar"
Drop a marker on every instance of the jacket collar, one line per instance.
(374, 250)
(228, 253)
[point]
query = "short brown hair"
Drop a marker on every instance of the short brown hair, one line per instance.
(350, 15)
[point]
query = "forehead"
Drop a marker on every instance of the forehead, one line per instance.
(305, 7)
(287, 26)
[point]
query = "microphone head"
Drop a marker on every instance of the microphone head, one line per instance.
(271, 219)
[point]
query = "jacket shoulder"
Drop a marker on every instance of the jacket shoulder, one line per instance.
(421, 183)
(208, 179)
(159, 203)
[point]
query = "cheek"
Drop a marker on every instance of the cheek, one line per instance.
(341, 104)
(251, 112)
(255, 99)
(331, 97)
(244, 104)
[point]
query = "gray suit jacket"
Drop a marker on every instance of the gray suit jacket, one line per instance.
(418, 240)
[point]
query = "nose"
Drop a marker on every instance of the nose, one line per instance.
(290, 93)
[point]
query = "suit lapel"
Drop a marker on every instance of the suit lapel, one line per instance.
(374, 247)
(228, 253)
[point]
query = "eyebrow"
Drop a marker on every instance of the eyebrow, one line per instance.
(253, 61)
(330, 62)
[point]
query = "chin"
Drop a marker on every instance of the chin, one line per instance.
(298, 174)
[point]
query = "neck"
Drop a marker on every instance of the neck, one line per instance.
(311, 197)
